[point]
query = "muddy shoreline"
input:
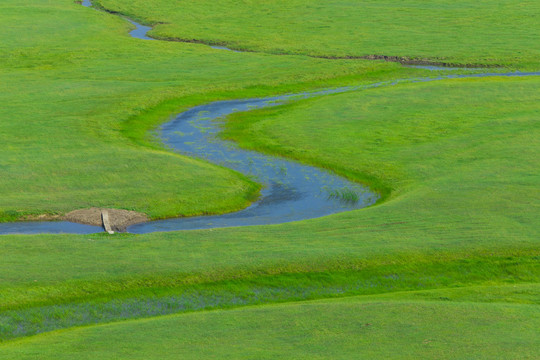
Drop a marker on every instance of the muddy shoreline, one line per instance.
(388, 58)
(119, 219)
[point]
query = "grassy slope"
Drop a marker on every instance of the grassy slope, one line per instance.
(455, 218)
(457, 31)
(373, 327)
(44, 308)
(443, 209)
(71, 77)
(59, 269)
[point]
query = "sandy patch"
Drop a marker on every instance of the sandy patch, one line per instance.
(119, 219)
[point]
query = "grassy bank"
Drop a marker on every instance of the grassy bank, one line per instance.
(453, 150)
(43, 308)
(338, 329)
(457, 32)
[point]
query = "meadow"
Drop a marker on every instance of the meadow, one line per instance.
(444, 266)
(378, 327)
(488, 32)
(73, 85)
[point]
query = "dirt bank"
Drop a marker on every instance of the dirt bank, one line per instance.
(119, 219)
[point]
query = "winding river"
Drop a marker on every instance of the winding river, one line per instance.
(292, 191)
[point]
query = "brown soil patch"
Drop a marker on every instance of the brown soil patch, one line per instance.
(41, 217)
(409, 61)
(119, 219)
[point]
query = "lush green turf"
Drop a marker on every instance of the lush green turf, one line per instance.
(453, 143)
(442, 210)
(456, 160)
(461, 31)
(72, 78)
(38, 308)
(337, 329)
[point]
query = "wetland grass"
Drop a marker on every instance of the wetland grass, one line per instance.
(456, 236)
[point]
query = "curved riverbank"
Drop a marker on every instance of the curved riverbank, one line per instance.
(293, 191)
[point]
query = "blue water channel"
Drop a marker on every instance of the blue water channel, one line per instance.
(291, 192)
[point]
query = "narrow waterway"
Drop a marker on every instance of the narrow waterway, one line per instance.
(292, 191)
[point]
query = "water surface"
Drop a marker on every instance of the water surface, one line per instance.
(292, 191)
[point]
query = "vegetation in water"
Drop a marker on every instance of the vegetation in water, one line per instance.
(344, 194)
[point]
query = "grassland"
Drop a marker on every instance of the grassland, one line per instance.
(445, 267)
(459, 31)
(435, 230)
(73, 85)
(337, 329)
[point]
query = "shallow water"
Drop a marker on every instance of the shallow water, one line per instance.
(140, 30)
(47, 227)
(293, 191)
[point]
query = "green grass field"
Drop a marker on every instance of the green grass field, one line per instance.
(376, 327)
(73, 79)
(468, 32)
(446, 266)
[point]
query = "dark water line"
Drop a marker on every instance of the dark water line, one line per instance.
(445, 68)
(141, 32)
